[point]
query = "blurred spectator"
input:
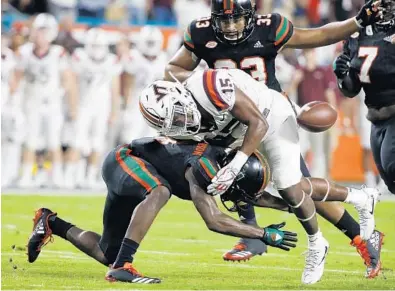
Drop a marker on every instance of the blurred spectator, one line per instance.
(137, 11)
(116, 11)
(65, 37)
(92, 8)
(59, 8)
(162, 11)
(314, 83)
(187, 10)
(30, 6)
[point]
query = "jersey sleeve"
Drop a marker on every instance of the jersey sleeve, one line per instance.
(219, 89)
(350, 46)
(188, 41)
(282, 30)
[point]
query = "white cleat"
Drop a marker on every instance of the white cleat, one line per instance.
(315, 261)
(366, 212)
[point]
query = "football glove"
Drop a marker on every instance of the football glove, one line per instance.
(278, 238)
(341, 66)
(227, 175)
(368, 14)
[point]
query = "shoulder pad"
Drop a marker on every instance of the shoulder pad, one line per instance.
(196, 33)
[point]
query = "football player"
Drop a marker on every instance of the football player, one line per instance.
(234, 36)
(11, 118)
(227, 106)
(146, 65)
(45, 70)
(97, 71)
(367, 63)
(139, 184)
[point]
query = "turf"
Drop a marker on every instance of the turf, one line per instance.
(180, 250)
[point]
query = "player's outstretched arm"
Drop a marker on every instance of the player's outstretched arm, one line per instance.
(335, 31)
(215, 219)
(220, 222)
(181, 65)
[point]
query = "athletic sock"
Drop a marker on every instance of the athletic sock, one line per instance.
(370, 179)
(356, 196)
(58, 226)
(247, 214)
(348, 225)
(313, 238)
(125, 255)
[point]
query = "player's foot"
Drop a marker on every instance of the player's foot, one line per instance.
(315, 261)
(41, 235)
(370, 251)
(245, 249)
(129, 274)
(366, 212)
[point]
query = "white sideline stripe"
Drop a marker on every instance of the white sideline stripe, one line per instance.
(243, 266)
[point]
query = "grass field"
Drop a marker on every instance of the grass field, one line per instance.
(180, 250)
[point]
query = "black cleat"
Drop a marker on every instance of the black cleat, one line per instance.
(129, 274)
(41, 235)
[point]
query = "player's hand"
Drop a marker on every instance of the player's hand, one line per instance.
(369, 14)
(226, 176)
(223, 180)
(341, 66)
(277, 238)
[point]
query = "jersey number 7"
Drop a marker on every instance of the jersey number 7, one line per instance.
(370, 54)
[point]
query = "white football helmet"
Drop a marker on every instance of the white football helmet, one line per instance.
(150, 41)
(96, 44)
(46, 21)
(170, 109)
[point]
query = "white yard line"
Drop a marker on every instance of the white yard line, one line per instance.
(77, 256)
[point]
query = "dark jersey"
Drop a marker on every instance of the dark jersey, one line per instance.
(256, 55)
(373, 57)
(171, 160)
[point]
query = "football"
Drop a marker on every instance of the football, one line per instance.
(317, 116)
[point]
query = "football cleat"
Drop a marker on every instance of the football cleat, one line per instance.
(129, 274)
(370, 251)
(41, 235)
(245, 249)
(315, 261)
(366, 212)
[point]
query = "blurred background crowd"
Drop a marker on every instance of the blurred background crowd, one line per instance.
(137, 39)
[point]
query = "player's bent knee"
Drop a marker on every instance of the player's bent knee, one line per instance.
(161, 194)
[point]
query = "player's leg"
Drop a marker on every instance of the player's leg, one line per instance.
(367, 155)
(388, 154)
(152, 192)
(54, 123)
(33, 126)
(283, 152)
(98, 144)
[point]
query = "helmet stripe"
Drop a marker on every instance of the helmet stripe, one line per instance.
(149, 117)
(266, 168)
(228, 6)
(209, 83)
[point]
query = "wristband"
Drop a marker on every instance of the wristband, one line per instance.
(239, 160)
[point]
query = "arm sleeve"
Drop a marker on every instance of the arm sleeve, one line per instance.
(282, 30)
(188, 41)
